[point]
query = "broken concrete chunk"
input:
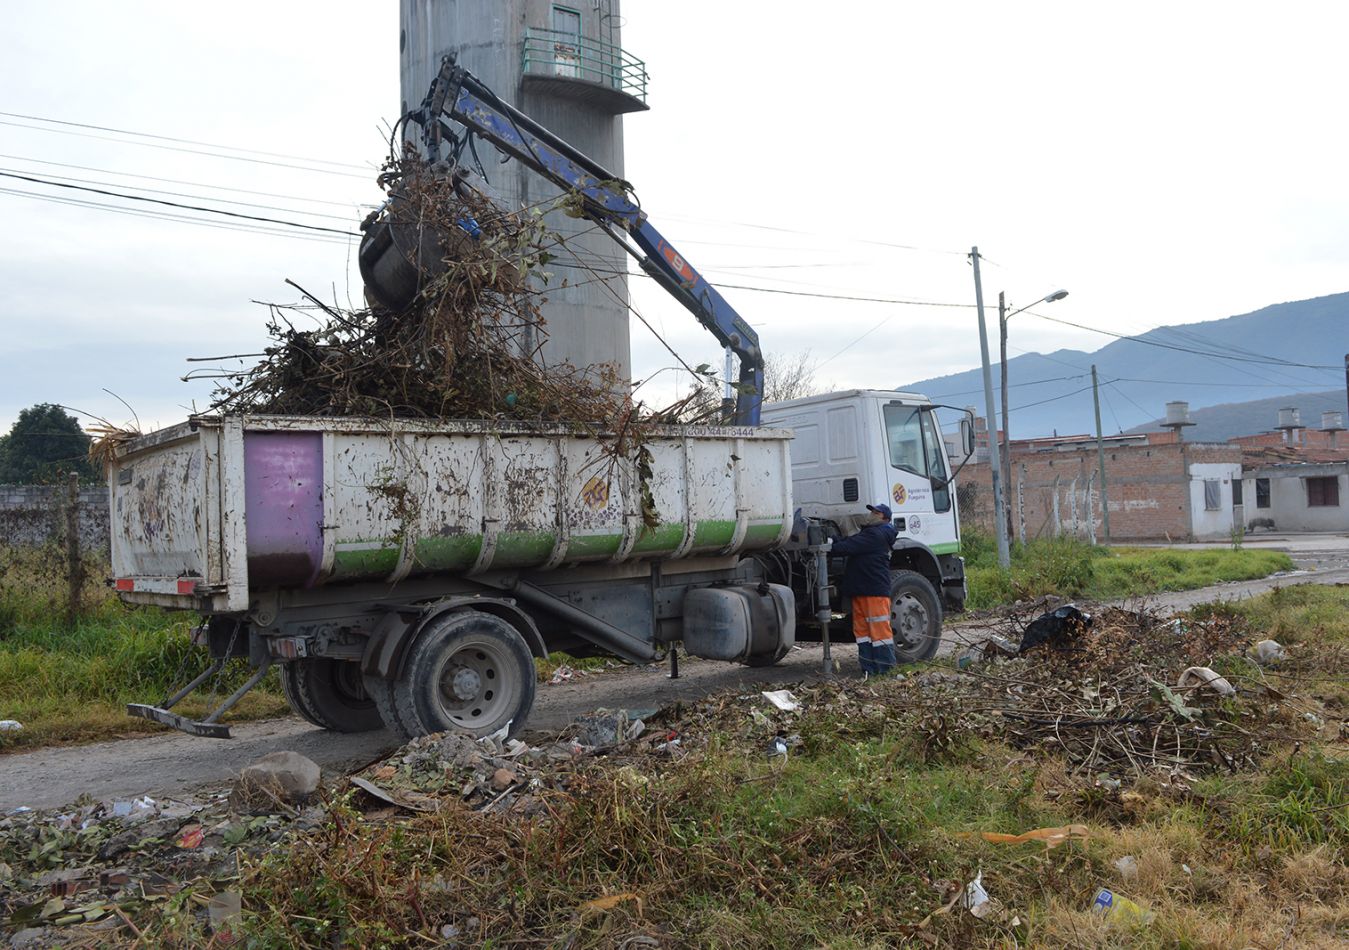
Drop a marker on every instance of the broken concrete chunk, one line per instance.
(278, 777)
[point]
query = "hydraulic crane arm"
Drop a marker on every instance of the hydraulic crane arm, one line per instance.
(604, 199)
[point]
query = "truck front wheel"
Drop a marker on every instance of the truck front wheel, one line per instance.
(329, 693)
(915, 616)
(471, 672)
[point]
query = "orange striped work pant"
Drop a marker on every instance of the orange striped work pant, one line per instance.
(871, 630)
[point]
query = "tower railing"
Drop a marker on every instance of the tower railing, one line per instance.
(560, 55)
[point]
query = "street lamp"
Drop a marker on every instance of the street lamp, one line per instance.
(1003, 317)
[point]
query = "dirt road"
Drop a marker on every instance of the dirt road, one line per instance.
(172, 763)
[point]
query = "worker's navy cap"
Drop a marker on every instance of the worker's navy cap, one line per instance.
(883, 509)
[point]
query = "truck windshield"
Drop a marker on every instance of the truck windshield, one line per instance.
(903, 431)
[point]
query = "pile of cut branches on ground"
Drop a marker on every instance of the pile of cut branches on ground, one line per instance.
(1114, 698)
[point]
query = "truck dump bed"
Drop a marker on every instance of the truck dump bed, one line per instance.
(205, 511)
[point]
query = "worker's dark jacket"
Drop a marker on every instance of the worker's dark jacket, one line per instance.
(868, 551)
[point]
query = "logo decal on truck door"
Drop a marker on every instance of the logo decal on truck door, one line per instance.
(899, 493)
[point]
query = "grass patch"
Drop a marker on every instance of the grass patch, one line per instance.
(70, 683)
(1072, 568)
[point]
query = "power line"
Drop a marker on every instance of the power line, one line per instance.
(192, 151)
(181, 181)
(180, 194)
(175, 204)
(1183, 349)
(1055, 398)
(167, 216)
(1036, 382)
(170, 138)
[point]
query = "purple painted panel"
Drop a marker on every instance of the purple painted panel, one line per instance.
(283, 489)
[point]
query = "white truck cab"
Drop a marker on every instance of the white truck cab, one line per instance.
(864, 447)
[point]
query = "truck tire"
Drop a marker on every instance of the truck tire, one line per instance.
(915, 616)
(381, 692)
(330, 694)
(469, 671)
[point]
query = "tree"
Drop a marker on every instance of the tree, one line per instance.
(789, 377)
(45, 442)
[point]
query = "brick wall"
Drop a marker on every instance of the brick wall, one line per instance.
(1148, 488)
(35, 514)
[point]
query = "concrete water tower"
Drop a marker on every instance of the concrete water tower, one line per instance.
(562, 64)
(1332, 423)
(1177, 418)
(1290, 421)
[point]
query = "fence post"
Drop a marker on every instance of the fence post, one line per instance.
(74, 565)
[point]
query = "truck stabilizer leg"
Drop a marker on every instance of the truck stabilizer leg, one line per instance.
(207, 728)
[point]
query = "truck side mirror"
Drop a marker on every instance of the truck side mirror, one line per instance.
(966, 436)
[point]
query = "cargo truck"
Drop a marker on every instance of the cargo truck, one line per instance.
(406, 573)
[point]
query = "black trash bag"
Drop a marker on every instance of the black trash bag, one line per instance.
(1057, 628)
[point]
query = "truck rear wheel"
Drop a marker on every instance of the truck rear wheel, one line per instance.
(915, 616)
(329, 693)
(470, 672)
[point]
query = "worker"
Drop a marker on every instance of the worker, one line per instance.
(866, 580)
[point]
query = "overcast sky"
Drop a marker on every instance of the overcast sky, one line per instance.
(1166, 163)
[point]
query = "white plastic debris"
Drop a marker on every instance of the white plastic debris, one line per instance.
(976, 899)
(1204, 676)
(1127, 867)
(10, 725)
(1267, 652)
(782, 699)
(562, 674)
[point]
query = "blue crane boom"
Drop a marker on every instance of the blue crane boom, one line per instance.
(458, 95)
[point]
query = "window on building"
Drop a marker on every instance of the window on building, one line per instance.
(1213, 494)
(1262, 493)
(1238, 491)
(1323, 492)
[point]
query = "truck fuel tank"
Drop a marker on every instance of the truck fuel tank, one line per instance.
(740, 624)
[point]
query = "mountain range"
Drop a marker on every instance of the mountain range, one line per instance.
(1218, 362)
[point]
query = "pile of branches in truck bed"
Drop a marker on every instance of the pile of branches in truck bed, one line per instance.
(469, 345)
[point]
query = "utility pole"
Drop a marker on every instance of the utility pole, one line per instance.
(994, 460)
(1346, 378)
(1006, 431)
(1100, 454)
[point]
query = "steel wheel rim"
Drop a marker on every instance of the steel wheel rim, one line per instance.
(477, 683)
(908, 619)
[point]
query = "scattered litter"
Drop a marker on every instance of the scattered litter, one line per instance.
(224, 907)
(190, 837)
(607, 727)
(1056, 628)
(778, 748)
(610, 902)
(561, 674)
(413, 801)
(782, 699)
(976, 900)
(1119, 910)
(1052, 837)
(1204, 676)
(1268, 652)
(10, 725)
(987, 649)
(1127, 867)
